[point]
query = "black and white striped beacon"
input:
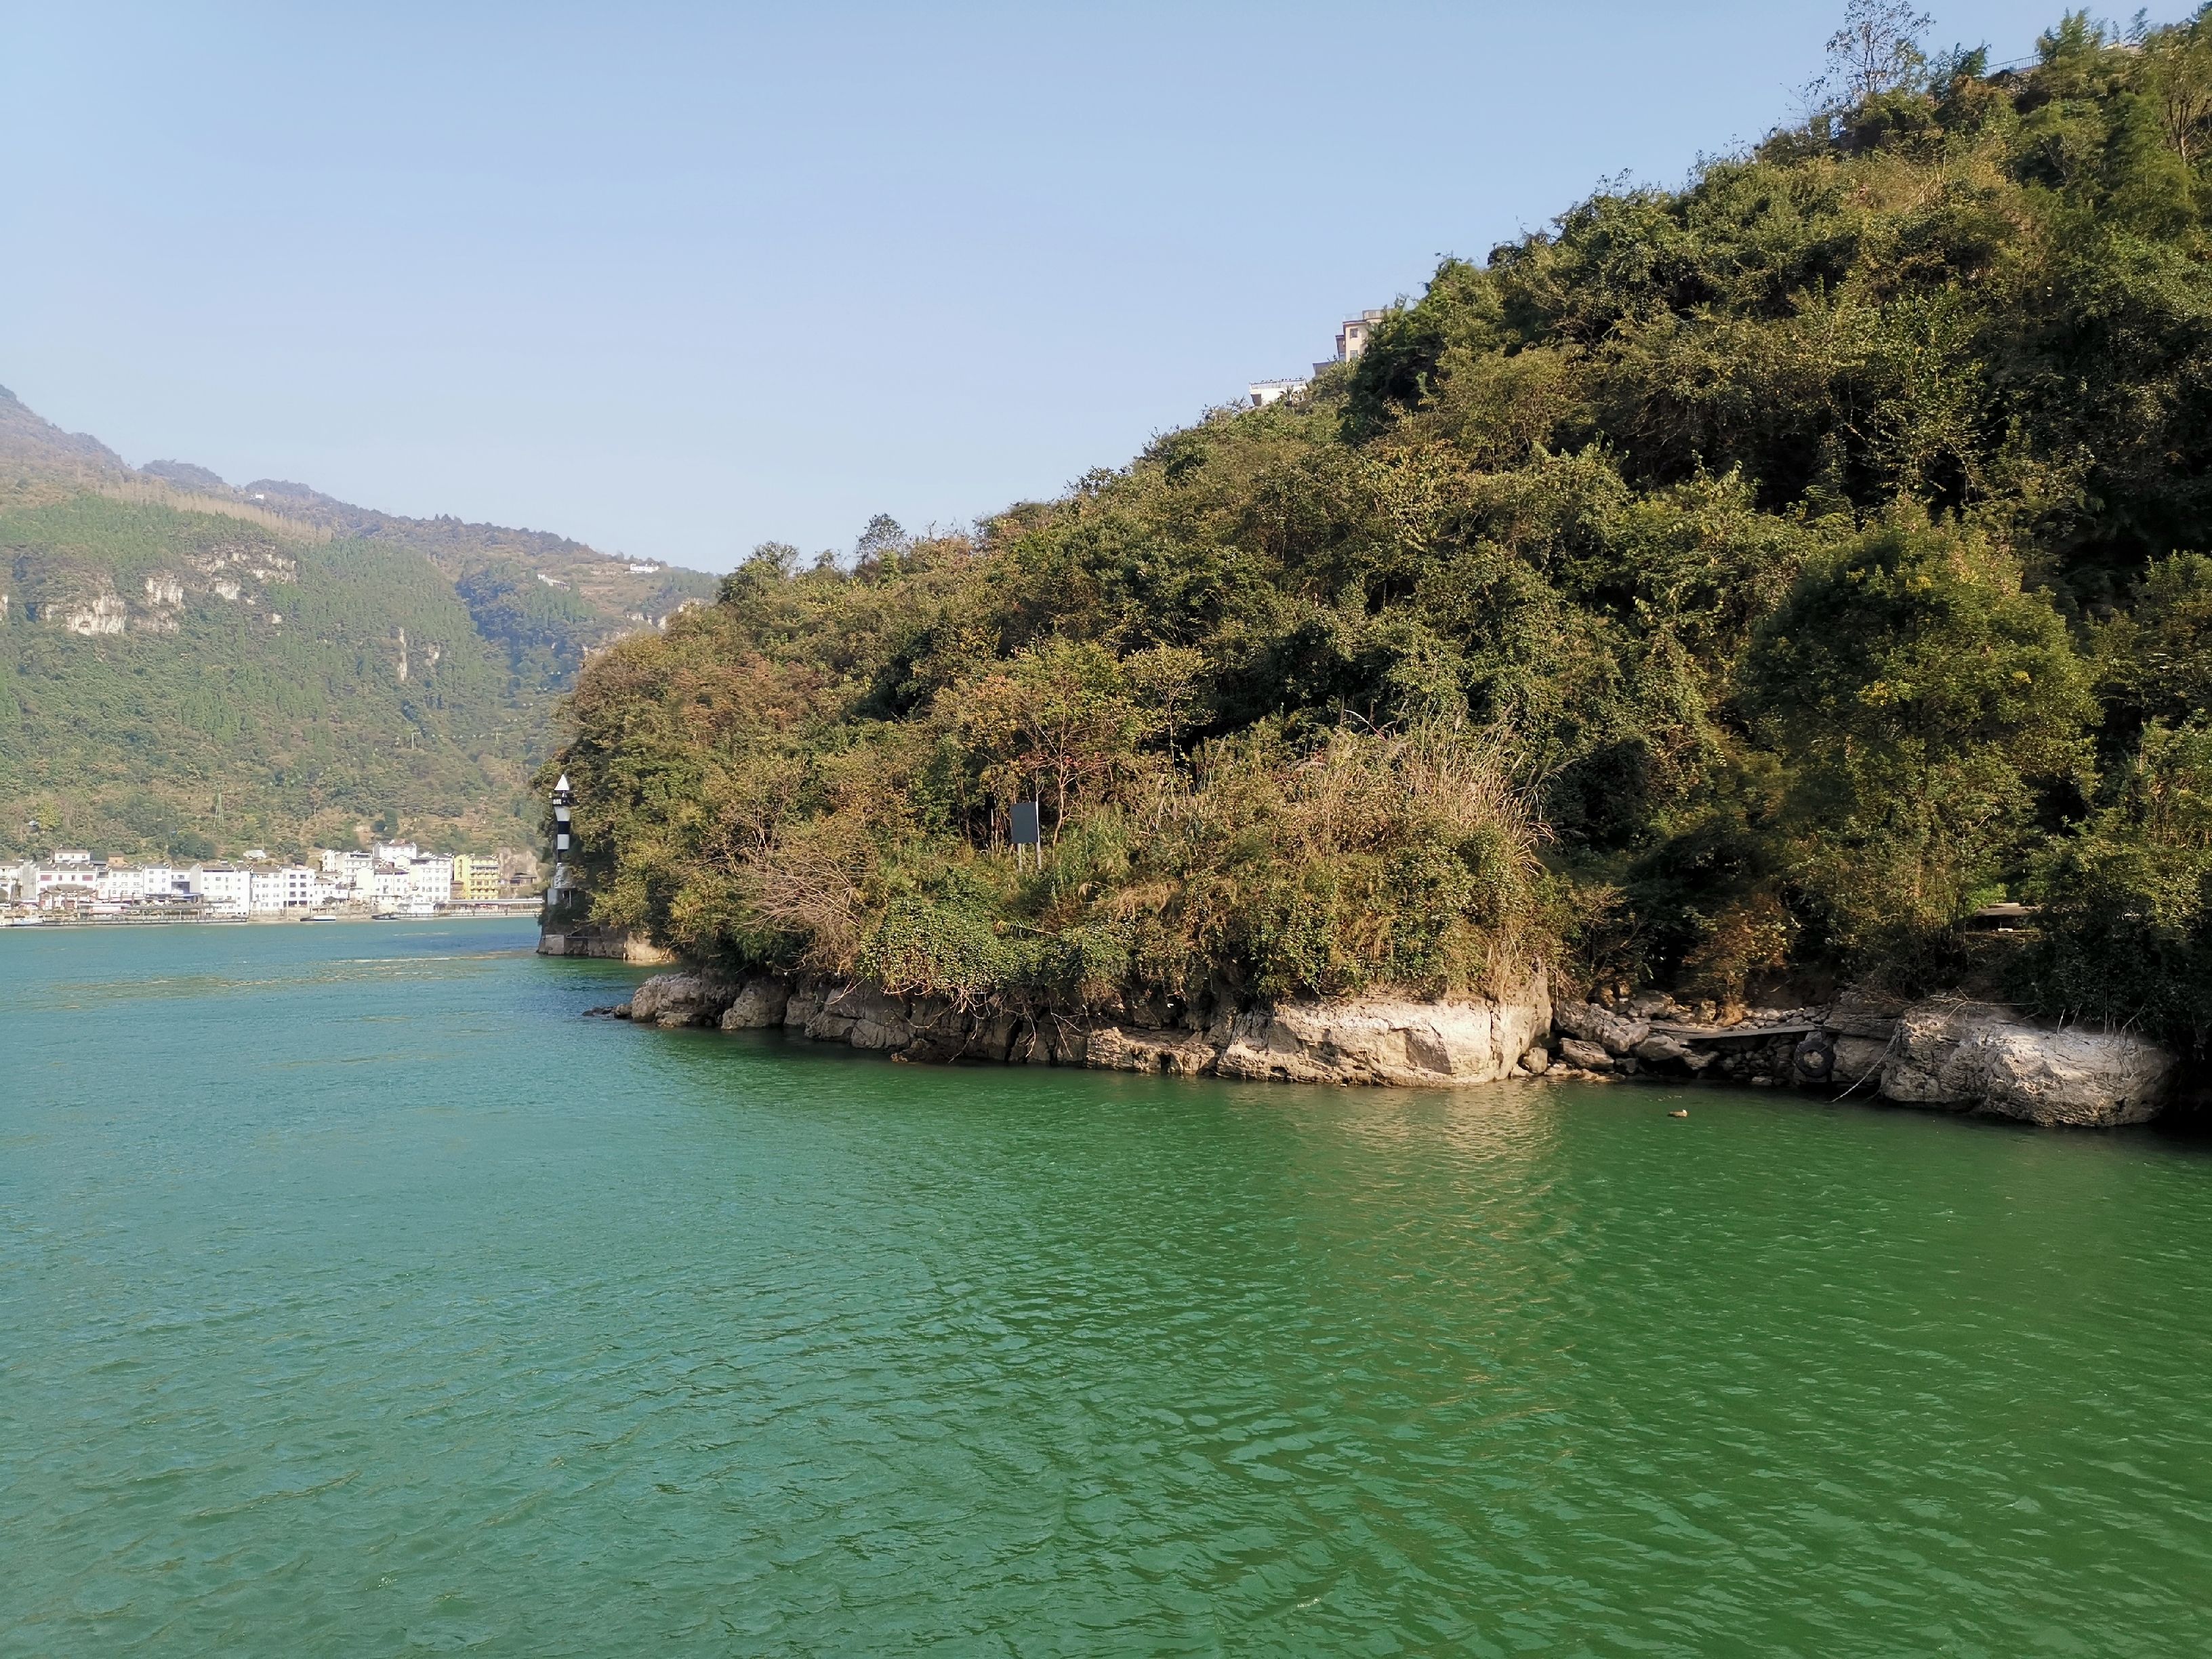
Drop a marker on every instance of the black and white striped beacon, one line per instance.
(563, 799)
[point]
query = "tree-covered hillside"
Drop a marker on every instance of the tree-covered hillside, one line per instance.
(187, 667)
(1731, 585)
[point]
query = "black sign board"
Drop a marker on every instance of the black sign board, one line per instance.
(1028, 832)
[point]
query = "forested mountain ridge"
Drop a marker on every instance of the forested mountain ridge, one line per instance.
(1731, 587)
(547, 598)
(184, 665)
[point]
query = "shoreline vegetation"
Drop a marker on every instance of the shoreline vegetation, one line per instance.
(1727, 593)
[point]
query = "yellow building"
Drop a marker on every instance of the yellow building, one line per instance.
(475, 878)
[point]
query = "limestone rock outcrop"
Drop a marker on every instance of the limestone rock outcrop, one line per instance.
(1613, 1032)
(1399, 1041)
(1381, 1040)
(862, 1015)
(1179, 1053)
(759, 1005)
(677, 999)
(1580, 1051)
(1959, 1055)
(1978, 1057)
(1857, 1058)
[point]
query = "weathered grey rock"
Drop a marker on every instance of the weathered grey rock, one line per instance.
(934, 1046)
(1592, 1024)
(1374, 1040)
(940, 1014)
(760, 1004)
(1387, 1040)
(1048, 1039)
(1863, 1014)
(1589, 1056)
(1659, 1049)
(1148, 1013)
(1062, 1041)
(992, 1038)
(863, 1017)
(1857, 1056)
(940, 1028)
(1979, 1057)
(1129, 1048)
(675, 1000)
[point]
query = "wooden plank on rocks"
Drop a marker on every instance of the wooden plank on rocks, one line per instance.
(1719, 1033)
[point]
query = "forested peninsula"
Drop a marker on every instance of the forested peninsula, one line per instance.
(1730, 590)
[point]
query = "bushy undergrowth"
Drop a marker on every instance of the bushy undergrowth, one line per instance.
(1728, 584)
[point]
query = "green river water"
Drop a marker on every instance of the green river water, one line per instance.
(358, 1297)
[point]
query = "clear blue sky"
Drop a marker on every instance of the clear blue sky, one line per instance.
(680, 279)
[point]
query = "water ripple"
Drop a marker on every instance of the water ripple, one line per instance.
(533, 1335)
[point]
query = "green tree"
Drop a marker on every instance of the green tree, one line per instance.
(1917, 694)
(2126, 925)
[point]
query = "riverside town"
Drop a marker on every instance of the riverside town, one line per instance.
(389, 879)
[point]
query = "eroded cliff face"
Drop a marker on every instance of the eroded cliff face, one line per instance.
(60, 591)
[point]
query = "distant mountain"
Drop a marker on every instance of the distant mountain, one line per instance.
(39, 459)
(184, 662)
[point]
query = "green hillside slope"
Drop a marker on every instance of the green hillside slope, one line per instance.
(185, 667)
(1733, 587)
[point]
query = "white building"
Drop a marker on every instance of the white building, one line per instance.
(224, 889)
(121, 883)
(1352, 335)
(349, 876)
(290, 887)
(65, 887)
(430, 880)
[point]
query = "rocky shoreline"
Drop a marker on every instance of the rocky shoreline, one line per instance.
(1951, 1054)
(1395, 1042)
